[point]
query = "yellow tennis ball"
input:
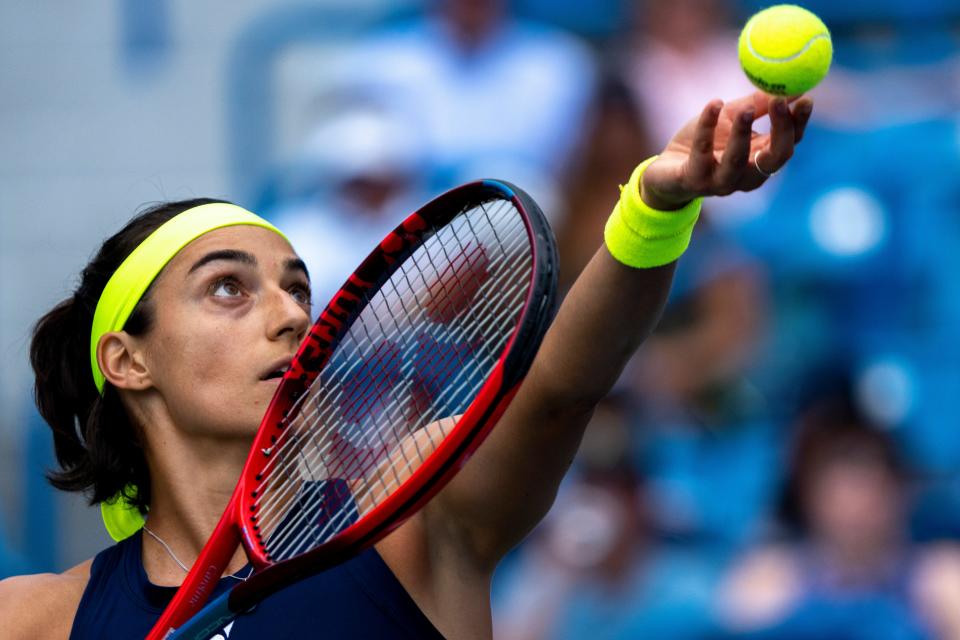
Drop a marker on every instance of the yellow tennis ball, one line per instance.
(785, 50)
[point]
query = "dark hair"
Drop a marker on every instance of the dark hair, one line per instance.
(98, 446)
(832, 429)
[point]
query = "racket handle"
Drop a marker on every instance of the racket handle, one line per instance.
(206, 622)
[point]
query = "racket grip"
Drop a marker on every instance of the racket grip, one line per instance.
(206, 622)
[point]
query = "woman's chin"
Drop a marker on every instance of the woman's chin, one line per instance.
(265, 390)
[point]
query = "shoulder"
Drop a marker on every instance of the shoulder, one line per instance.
(42, 605)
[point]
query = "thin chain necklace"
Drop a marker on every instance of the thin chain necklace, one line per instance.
(183, 566)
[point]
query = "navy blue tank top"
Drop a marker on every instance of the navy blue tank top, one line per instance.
(360, 598)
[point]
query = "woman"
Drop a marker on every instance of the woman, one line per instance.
(181, 402)
(847, 568)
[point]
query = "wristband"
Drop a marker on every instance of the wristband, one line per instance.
(642, 237)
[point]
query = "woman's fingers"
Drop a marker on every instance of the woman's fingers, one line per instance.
(759, 100)
(701, 163)
(801, 116)
(782, 138)
(704, 174)
(735, 156)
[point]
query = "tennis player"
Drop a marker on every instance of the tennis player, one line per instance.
(168, 403)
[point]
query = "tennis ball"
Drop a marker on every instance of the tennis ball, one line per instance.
(785, 50)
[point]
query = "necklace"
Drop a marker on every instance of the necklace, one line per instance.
(183, 566)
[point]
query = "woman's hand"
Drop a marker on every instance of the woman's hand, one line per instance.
(719, 153)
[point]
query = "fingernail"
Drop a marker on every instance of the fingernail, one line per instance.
(780, 106)
(747, 116)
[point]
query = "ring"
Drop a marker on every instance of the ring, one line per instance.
(757, 166)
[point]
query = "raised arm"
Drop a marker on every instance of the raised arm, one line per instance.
(512, 480)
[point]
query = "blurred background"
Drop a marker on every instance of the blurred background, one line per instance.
(780, 460)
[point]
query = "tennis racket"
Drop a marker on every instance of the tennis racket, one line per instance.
(400, 379)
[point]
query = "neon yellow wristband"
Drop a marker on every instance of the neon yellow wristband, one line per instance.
(643, 237)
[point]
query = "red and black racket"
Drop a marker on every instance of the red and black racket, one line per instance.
(398, 382)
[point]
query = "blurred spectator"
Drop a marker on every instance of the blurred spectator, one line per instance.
(463, 93)
(614, 137)
(851, 572)
(893, 72)
(597, 20)
(494, 96)
(679, 55)
(697, 407)
(863, 235)
(358, 175)
(706, 437)
(592, 570)
(712, 328)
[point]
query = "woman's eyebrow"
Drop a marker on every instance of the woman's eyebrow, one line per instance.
(225, 254)
(296, 264)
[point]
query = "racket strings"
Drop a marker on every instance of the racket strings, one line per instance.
(378, 481)
(376, 491)
(414, 358)
(382, 483)
(376, 486)
(407, 459)
(336, 393)
(492, 320)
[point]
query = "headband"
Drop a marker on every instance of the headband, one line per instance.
(135, 274)
(124, 290)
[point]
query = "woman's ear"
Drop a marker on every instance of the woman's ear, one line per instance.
(121, 362)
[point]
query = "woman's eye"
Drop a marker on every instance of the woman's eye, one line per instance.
(226, 288)
(301, 295)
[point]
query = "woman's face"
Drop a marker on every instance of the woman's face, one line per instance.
(854, 502)
(230, 310)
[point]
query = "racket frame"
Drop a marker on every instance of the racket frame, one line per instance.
(238, 524)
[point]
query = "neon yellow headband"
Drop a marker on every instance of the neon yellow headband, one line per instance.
(124, 290)
(135, 274)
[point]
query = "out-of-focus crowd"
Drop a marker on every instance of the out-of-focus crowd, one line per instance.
(780, 459)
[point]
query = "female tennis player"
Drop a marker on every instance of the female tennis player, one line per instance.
(187, 379)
